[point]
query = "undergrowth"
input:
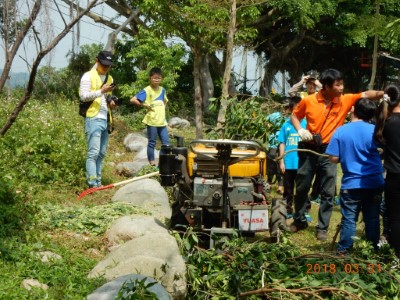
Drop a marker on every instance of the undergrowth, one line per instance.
(239, 269)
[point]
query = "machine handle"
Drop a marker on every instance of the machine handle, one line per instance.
(212, 153)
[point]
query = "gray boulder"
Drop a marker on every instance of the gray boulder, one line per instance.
(146, 193)
(176, 122)
(110, 290)
(135, 142)
(156, 255)
(130, 227)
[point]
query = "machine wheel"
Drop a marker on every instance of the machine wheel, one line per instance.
(178, 220)
(278, 218)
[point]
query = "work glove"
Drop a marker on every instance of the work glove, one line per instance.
(305, 135)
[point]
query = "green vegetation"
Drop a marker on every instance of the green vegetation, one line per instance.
(41, 173)
(243, 270)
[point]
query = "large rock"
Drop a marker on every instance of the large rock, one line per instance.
(130, 227)
(155, 255)
(146, 193)
(135, 142)
(176, 122)
(129, 169)
(110, 290)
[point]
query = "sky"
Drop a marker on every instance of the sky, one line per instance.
(91, 32)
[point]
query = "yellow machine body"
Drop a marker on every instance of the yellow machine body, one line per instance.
(249, 167)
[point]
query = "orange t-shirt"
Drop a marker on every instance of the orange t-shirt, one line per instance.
(314, 109)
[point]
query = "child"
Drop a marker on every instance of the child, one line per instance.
(154, 99)
(362, 183)
(288, 139)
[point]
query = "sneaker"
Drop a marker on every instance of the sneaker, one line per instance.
(322, 235)
(308, 217)
(316, 199)
(297, 226)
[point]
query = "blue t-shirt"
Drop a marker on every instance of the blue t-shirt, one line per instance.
(275, 119)
(290, 138)
(361, 164)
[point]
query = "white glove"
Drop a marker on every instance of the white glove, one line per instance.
(305, 135)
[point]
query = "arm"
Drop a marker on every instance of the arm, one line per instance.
(85, 93)
(334, 159)
(134, 100)
(295, 122)
(373, 95)
(296, 88)
(304, 134)
(281, 162)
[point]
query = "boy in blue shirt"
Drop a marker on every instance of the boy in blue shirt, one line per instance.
(362, 183)
(288, 140)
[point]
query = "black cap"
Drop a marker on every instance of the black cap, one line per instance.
(105, 58)
(312, 75)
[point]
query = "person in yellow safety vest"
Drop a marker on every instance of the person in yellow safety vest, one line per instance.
(95, 89)
(312, 85)
(154, 99)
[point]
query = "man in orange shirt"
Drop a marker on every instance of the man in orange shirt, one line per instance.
(324, 112)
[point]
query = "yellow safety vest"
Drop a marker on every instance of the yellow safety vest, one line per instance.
(95, 85)
(156, 100)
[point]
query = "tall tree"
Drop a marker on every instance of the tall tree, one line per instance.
(14, 31)
(202, 25)
(43, 51)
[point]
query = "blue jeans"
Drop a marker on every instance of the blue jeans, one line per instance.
(152, 133)
(351, 203)
(309, 164)
(97, 141)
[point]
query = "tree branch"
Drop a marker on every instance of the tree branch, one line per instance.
(42, 53)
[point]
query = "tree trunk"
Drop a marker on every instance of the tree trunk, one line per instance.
(375, 53)
(10, 53)
(198, 101)
(228, 66)
(207, 85)
(43, 52)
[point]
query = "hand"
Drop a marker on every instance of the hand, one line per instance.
(113, 104)
(148, 107)
(305, 135)
(282, 166)
(107, 88)
(305, 78)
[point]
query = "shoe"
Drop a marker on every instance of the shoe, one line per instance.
(308, 217)
(322, 235)
(289, 216)
(342, 253)
(297, 226)
(316, 200)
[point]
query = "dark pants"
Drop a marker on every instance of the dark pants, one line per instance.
(351, 203)
(309, 164)
(288, 189)
(316, 187)
(273, 169)
(392, 199)
(289, 182)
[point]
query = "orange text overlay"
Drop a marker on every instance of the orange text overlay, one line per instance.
(345, 268)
